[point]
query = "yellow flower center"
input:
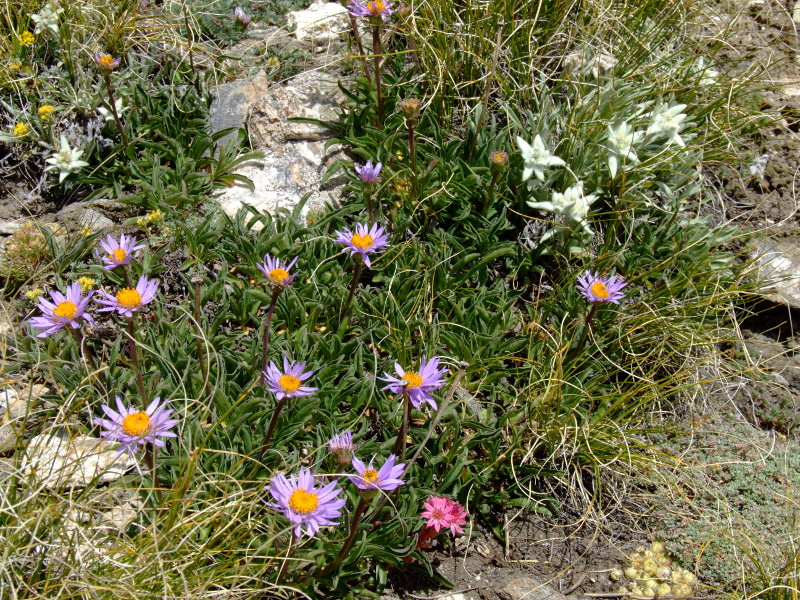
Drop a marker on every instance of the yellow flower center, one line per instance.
(600, 290)
(278, 275)
(289, 383)
(129, 298)
(413, 378)
(303, 502)
(66, 310)
(136, 424)
(106, 60)
(370, 476)
(118, 255)
(376, 7)
(363, 242)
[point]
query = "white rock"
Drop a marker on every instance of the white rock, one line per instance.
(321, 23)
(58, 462)
(779, 270)
(10, 227)
(16, 411)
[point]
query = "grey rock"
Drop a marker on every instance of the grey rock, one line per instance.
(10, 227)
(321, 24)
(281, 180)
(313, 95)
(232, 103)
(778, 266)
(17, 410)
(295, 157)
(527, 588)
(83, 215)
(58, 462)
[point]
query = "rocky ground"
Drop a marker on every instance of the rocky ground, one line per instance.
(735, 480)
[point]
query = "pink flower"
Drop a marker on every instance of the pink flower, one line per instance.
(65, 309)
(118, 253)
(363, 240)
(443, 513)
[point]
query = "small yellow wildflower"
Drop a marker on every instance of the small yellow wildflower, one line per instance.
(14, 65)
(86, 231)
(20, 130)
(87, 283)
(26, 38)
(34, 294)
(155, 216)
(45, 111)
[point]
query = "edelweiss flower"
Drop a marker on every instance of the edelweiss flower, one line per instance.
(601, 289)
(363, 241)
(667, 123)
(132, 428)
(536, 158)
(304, 504)
(47, 18)
(418, 384)
(66, 160)
(621, 146)
(573, 204)
(65, 309)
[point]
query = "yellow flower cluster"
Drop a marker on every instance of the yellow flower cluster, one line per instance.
(20, 130)
(152, 218)
(651, 574)
(34, 294)
(26, 38)
(45, 111)
(86, 283)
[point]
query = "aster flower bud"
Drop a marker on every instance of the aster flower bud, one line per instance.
(241, 16)
(411, 108)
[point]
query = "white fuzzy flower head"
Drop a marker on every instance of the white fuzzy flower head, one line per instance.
(109, 115)
(622, 141)
(536, 158)
(572, 204)
(66, 160)
(47, 18)
(602, 63)
(666, 123)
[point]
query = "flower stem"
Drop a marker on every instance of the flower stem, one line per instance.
(271, 429)
(135, 358)
(282, 570)
(267, 327)
(412, 151)
(107, 77)
(351, 293)
(490, 192)
(368, 201)
(376, 51)
(587, 325)
(400, 443)
(348, 542)
(150, 458)
(361, 54)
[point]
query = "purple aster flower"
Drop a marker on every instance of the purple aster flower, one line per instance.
(286, 383)
(419, 384)
(372, 8)
(133, 428)
(341, 446)
(368, 173)
(65, 309)
(129, 300)
(303, 503)
(106, 61)
(363, 241)
(276, 272)
(386, 478)
(118, 253)
(601, 289)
